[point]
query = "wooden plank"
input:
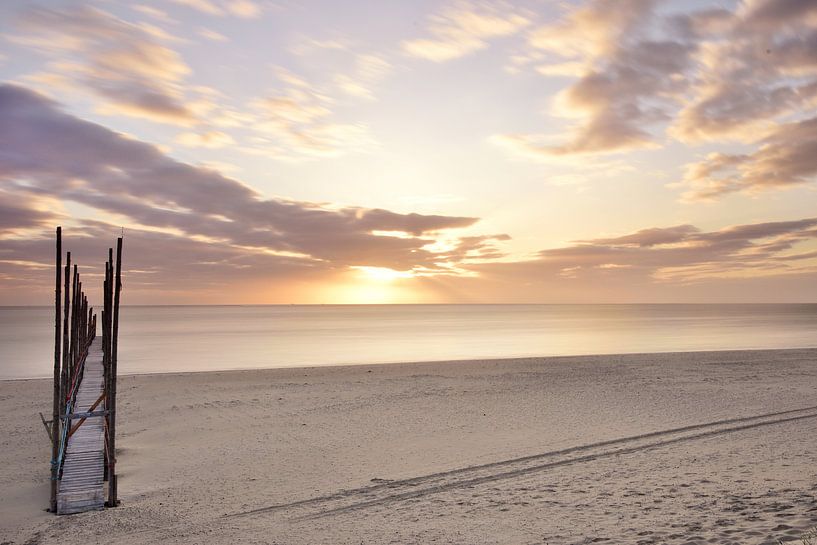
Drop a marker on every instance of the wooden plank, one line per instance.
(81, 487)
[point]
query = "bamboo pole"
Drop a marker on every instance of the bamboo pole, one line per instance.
(55, 421)
(112, 494)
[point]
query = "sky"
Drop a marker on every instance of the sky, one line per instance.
(322, 152)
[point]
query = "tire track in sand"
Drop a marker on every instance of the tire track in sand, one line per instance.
(425, 485)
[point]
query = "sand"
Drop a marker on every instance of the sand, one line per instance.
(706, 447)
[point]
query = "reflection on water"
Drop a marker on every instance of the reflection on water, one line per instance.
(201, 338)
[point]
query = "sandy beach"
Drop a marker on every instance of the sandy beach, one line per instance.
(682, 448)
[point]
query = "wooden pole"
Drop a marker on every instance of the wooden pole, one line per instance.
(106, 360)
(55, 422)
(84, 323)
(110, 303)
(80, 316)
(76, 319)
(66, 347)
(74, 290)
(112, 495)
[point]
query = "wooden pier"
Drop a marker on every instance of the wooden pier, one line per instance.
(83, 427)
(81, 487)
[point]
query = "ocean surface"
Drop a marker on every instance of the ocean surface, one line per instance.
(164, 339)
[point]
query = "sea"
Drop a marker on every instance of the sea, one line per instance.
(170, 339)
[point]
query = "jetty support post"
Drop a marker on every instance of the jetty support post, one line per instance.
(106, 360)
(73, 333)
(55, 420)
(66, 347)
(117, 285)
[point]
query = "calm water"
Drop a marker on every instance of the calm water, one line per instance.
(169, 339)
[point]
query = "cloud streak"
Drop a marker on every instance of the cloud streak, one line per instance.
(193, 231)
(629, 79)
(667, 263)
(786, 157)
(463, 28)
(747, 75)
(755, 65)
(122, 63)
(245, 9)
(296, 121)
(50, 154)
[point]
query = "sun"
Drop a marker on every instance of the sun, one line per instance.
(383, 274)
(377, 286)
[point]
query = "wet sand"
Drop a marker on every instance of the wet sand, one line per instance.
(700, 447)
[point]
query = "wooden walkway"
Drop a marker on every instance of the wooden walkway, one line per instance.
(81, 487)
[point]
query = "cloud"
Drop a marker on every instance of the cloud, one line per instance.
(464, 28)
(209, 139)
(212, 35)
(593, 30)
(153, 12)
(20, 214)
(647, 238)
(758, 64)
(677, 263)
(628, 81)
(476, 249)
(159, 267)
(565, 169)
(765, 14)
(132, 68)
(307, 46)
(239, 8)
(244, 8)
(713, 74)
(368, 71)
(667, 253)
(204, 6)
(624, 98)
(786, 157)
(297, 121)
(193, 230)
(120, 62)
(50, 154)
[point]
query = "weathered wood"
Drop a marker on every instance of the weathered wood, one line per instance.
(87, 414)
(55, 421)
(81, 487)
(112, 482)
(84, 378)
(66, 346)
(73, 349)
(47, 425)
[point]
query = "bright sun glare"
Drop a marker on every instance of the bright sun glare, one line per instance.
(383, 274)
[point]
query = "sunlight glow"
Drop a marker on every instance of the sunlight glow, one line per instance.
(383, 274)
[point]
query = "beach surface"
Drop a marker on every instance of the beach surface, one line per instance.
(680, 448)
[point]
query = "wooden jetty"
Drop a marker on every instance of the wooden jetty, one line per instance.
(83, 427)
(81, 485)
